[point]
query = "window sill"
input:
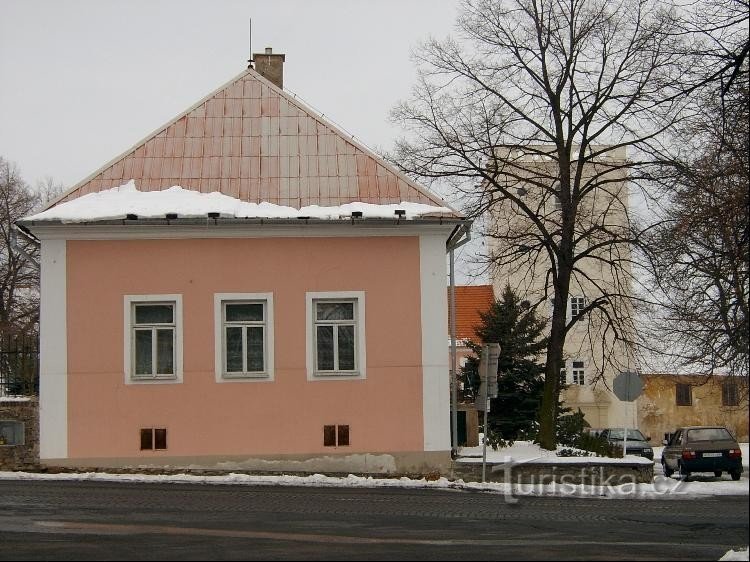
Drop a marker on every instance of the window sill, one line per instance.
(154, 380)
(245, 376)
(337, 374)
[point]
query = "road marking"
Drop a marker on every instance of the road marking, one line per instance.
(133, 529)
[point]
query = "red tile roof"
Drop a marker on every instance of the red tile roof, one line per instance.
(470, 301)
(251, 140)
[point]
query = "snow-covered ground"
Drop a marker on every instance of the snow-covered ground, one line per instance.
(523, 452)
(741, 554)
(661, 487)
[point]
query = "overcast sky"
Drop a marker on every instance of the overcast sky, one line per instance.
(84, 80)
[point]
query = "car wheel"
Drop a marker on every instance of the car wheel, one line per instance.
(717, 473)
(736, 475)
(684, 473)
(667, 471)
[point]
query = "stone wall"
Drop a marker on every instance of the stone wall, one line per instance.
(604, 474)
(26, 456)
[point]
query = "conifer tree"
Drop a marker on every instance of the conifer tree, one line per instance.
(519, 331)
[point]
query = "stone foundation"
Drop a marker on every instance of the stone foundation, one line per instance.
(20, 456)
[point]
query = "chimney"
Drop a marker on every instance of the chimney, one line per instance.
(270, 66)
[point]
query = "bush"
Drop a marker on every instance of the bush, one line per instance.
(573, 453)
(598, 445)
(571, 434)
(570, 428)
(495, 440)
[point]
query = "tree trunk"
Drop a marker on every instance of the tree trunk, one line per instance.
(551, 398)
(548, 412)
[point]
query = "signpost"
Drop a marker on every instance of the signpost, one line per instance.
(627, 386)
(487, 389)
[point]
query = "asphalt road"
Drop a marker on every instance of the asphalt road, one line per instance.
(42, 520)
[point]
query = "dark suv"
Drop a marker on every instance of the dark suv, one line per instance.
(702, 449)
(637, 444)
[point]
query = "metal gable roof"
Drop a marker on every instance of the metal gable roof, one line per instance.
(252, 141)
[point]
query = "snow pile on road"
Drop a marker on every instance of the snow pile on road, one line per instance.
(741, 554)
(661, 486)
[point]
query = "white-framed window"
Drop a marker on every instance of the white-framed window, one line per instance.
(335, 335)
(563, 377)
(244, 337)
(577, 304)
(578, 371)
(153, 338)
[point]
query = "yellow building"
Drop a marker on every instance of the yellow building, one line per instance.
(672, 401)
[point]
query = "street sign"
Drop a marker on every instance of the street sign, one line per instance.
(492, 360)
(488, 360)
(627, 386)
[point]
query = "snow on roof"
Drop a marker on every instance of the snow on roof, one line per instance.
(118, 202)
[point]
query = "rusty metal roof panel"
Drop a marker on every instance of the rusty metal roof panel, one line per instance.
(253, 141)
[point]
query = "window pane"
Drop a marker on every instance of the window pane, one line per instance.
(343, 437)
(143, 359)
(329, 435)
(147, 439)
(154, 314)
(244, 312)
(709, 434)
(578, 364)
(683, 395)
(335, 311)
(729, 394)
(255, 349)
(325, 348)
(346, 348)
(11, 433)
(234, 350)
(160, 438)
(165, 351)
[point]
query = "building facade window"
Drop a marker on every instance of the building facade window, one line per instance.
(684, 394)
(730, 394)
(243, 336)
(563, 377)
(153, 439)
(577, 304)
(153, 340)
(335, 435)
(335, 341)
(12, 432)
(579, 373)
(335, 336)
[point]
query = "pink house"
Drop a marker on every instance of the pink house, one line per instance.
(284, 310)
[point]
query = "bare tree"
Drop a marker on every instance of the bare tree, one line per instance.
(48, 189)
(700, 251)
(538, 116)
(19, 280)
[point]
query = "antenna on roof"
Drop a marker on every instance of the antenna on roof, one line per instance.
(250, 60)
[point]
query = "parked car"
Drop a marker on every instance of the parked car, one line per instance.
(637, 444)
(702, 449)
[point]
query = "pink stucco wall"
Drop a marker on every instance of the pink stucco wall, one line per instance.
(285, 416)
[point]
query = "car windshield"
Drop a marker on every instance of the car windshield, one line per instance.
(633, 434)
(709, 434)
